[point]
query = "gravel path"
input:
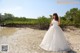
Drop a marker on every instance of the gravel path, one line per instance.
(27, 40)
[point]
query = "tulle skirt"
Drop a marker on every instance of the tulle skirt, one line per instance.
(54, 40)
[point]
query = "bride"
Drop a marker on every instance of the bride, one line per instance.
(54, 39)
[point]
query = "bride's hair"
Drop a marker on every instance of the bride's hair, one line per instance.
(56, 15)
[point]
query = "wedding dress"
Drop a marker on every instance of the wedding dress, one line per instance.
(54, 39)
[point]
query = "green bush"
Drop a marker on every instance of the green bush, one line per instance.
(43, 22)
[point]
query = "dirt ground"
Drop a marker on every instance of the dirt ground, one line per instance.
(27, 40)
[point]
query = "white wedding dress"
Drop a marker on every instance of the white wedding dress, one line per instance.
(54, 39)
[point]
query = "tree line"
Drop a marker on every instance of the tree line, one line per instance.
(71, 18)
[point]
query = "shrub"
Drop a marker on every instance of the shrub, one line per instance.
(43, 22)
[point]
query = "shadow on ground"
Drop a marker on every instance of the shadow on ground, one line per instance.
(71, 51)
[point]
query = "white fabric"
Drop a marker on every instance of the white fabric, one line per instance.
(54, 39)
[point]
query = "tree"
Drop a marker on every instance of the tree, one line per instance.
(8, 16)
(73, 15)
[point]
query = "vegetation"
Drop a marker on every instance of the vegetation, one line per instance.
(71, 18)
(43, 22)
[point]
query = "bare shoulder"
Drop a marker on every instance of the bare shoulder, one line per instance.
(59, 18)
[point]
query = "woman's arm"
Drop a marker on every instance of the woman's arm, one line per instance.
(50, 23)
(59, 21)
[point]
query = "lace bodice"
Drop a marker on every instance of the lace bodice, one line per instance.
(54, 22)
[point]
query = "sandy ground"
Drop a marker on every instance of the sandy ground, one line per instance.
(27, 40)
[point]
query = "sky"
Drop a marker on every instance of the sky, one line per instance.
(37, 8)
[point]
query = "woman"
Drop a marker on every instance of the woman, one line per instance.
(54, 39)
